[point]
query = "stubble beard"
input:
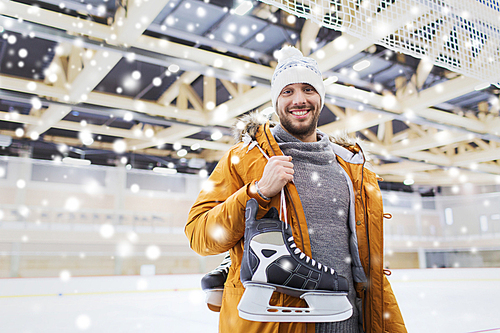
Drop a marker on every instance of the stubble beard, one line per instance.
(299, 131)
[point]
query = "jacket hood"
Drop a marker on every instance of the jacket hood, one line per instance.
(251, 122)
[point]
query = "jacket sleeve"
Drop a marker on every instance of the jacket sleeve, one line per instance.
(216, 221)
(393, 320)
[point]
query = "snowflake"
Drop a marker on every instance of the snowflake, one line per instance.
(153, 252)
(83, 322)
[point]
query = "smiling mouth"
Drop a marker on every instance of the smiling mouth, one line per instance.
(299, 112)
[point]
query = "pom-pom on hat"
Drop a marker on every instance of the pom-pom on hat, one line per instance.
(293, 67)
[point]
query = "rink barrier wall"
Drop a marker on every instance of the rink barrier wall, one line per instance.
(52, 216)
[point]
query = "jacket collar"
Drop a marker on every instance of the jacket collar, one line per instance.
(251, 124)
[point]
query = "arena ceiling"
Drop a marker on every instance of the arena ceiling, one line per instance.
(159, 83)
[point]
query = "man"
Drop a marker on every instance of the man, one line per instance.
(334, 205)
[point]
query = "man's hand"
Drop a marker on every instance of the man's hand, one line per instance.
(277, 173)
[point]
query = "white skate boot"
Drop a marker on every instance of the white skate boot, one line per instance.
(213, 284)
(272, 262)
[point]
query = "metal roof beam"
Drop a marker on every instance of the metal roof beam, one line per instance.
(102, 99)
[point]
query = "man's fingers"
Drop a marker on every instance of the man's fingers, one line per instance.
(281, 158)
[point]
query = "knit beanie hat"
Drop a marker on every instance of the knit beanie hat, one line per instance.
(293, 67)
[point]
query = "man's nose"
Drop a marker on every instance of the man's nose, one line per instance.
(299, 98)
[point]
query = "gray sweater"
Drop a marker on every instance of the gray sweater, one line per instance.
(324, 194)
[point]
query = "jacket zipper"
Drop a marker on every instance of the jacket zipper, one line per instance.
(365, 289)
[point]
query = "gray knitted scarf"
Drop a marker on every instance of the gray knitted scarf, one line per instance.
(324, 195)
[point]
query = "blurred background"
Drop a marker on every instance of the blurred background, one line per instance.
(58, 218)
(113, 113)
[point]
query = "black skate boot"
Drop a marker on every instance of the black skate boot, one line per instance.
(272, 262)
(213, 284)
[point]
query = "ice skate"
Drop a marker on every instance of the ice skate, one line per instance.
(213, 284)
(272, 262)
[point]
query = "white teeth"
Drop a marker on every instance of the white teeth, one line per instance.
(299, 113)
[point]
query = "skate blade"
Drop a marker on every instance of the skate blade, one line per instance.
(323, 307)
(214, 297)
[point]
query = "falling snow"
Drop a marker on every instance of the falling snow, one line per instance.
(153, 252)
(314, 177)
(83, 322)
(65, 275)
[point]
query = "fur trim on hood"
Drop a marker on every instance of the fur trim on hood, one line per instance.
(250, 123)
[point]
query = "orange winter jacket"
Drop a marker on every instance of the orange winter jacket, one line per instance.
(216, 224)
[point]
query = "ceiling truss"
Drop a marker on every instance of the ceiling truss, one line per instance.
(404, 125)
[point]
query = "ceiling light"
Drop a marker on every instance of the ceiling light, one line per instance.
(361, 65)
(243, 8)
(182, 152)
(173, 68)
(167, 171)
(408, 181)
(216, 135)
(330, 80)
(76, 161)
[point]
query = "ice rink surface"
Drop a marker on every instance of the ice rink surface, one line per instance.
(434, 300)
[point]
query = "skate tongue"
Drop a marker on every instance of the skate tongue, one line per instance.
(272, 214)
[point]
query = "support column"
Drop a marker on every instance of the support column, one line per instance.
(14, 259)
(422, 260)
(118, 265)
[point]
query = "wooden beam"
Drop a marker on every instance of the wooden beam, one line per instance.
(230, 87)
(193, 97)
(173, 91)
(53, 114)
(440, 93)
(168, 135)
(209, 92)
(355, 123)
(430, 141)
(308, 35)
(225, 113)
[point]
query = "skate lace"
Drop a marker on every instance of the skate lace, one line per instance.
(224, 265)
(307, 259)
(248, 141)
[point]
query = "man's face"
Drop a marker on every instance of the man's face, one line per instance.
(298, 107)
